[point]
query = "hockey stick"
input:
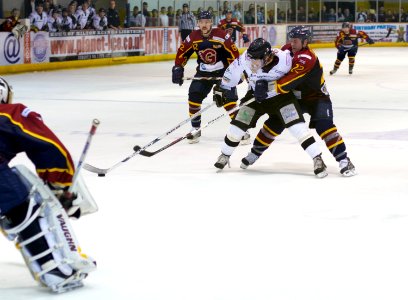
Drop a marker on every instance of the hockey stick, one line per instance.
(363, 44)
(152, 153)
(137, 149)
(202, 78)
(95, 124)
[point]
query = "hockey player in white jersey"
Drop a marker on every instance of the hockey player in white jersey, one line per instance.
(263, 66)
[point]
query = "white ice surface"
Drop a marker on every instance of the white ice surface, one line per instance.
(171, 228)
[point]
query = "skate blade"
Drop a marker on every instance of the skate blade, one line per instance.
(245, 142)
(322, 174)
(349, 173)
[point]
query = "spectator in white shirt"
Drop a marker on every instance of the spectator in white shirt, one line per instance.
(137, 19)
(164, 18)
(100, 22)
(38, 19)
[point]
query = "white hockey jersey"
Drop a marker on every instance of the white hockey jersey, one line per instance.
(281, 65)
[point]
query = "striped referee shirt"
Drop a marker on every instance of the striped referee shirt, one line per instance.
(187, 21)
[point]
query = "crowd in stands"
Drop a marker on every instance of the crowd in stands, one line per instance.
(80, 15)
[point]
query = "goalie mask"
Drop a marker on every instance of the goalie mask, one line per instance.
(259, 54)
(6, 92)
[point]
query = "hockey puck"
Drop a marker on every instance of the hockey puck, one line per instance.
(101, 175)
(136, 148)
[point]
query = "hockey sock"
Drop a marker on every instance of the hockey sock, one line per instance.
(337, 64)
(230, 105)
(334, 142)
(263, 140)
(351, 62)
(194, 107)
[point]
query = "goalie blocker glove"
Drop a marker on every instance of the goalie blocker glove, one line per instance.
(177, 75)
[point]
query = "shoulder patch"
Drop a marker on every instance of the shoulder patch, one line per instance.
(305, 56)
(26, 111)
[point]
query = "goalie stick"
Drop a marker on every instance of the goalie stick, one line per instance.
(137, 149)
(152, 153)
(95, 124)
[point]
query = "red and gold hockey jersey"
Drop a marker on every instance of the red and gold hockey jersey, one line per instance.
(22, 130)
(350, 39)
(231, 26)
(9, 23)
(305, 76)
(214, 53)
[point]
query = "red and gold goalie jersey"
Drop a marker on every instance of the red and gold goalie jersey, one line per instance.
(305, 76)
(22, 130)
(231, 26)
(349, 40)
(214, 53)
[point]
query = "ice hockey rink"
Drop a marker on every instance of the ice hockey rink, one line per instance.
(170, 227)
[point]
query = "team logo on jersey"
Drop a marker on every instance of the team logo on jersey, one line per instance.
(208, 56)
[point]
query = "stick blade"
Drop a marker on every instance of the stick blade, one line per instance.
(100, 172)
(146, 153)
(389, 32)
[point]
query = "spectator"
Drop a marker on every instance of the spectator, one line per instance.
(153, 21)
(211, 11)
(389, 16)
(170, 14)
(71, 14)
(66, 21)
(100, 21)
(225, 8)
(347, 16)
(261, 15)
(137, 19)
(331, 17)
(249, 16)
(371, 17)
(324, 14)
(164, 18)
(145, 10)
(291, 15)
(340, 15)
(381, 14)
(113, 16)
(54, 21)
(29, 7)
(403, 15)
(82, 15)
(187, 22)
(312, 16)
(236, 13)
(301, 14)
(271, 17)
(38, 19)
(361, 16)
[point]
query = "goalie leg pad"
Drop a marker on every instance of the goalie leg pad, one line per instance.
(45, 237)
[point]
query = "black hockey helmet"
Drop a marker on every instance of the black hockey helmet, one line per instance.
(259, 49)
(205, 14)
(300, 32)
(346, 25)
(6, 92)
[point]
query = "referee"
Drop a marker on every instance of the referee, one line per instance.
(187, 22)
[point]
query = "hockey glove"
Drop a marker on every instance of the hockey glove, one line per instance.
(177, 75)
(67, 200)
(245, 38)
(261, 90)
(218, 96)
(370, 41)
(341, 49)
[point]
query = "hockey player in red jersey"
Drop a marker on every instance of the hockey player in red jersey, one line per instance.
(215, 51)
(32, 205)
(306, 80)
(347, 44)
(232, 25)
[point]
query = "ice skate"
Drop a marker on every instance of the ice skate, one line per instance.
(194, 136)
(319, 167)
(333, 71)
(222, 161)
(347, 169)
(249, 160)
(246, 139)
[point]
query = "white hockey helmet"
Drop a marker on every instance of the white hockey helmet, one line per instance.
(6, 92)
